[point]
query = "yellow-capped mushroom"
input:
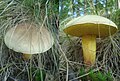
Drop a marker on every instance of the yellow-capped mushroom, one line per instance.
(90, 27)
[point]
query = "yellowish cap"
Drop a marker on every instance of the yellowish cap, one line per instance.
(90, 25)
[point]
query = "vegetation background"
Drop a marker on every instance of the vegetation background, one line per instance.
(108, 50)
(63, 62)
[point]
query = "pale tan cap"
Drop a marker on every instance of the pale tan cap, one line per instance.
(28, 39)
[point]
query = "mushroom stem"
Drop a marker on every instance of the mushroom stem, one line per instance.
(89, 49)
(27, 56)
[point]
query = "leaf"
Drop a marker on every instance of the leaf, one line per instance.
(40, 75)
(93, 76)
(109, 77)
(101, 76)
(82, 72)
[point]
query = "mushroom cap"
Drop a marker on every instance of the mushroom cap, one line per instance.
(90, 25)
(28, 39)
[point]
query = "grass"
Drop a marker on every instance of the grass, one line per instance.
(12, 65)
(107, 62)
(64, 61)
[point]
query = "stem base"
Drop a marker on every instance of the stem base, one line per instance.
(27, 56)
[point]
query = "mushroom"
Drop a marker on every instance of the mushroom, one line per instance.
(90, 27)
(28, 39)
